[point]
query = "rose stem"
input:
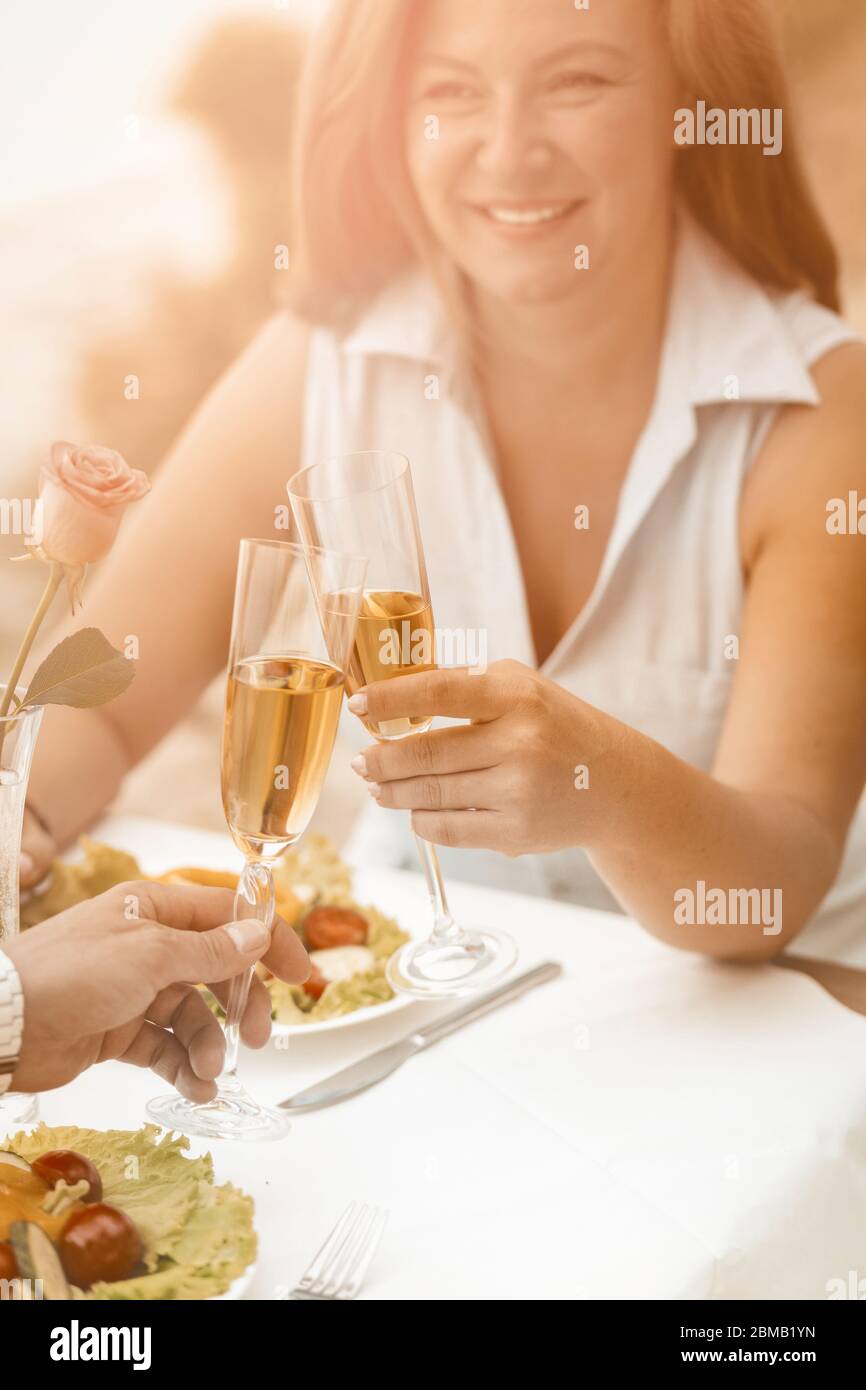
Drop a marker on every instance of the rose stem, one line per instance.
(54, 581)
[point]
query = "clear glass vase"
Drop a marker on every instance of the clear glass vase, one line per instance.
(18, 734)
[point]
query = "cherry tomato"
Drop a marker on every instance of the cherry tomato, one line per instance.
(316, 985)
(70, 1166)
(99, 1242)
(8, 1262)
(334, 926)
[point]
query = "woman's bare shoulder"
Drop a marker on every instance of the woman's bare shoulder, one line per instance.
(285, 333)
(254, 411)
(271, 370)
(811, 455)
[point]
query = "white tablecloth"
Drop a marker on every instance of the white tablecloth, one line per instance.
(651, 1125)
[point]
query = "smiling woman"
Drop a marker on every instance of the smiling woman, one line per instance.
(394, 97)
(559, 117)
(507, 268)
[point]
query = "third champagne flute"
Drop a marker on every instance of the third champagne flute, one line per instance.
(365, 503)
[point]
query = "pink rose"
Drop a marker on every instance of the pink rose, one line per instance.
(83, 495)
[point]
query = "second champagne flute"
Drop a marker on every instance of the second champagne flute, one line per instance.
(286, 676)
(365, 503)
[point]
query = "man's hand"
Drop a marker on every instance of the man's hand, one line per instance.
(115, 977)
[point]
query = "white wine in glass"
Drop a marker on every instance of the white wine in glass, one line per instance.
(281, 713)
(287, 672)
(395, 637)
(365, 503)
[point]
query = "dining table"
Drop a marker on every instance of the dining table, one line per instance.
(651, 1124)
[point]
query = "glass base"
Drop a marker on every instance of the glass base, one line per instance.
(230, 1115)
(18, 1110)
(434, 969)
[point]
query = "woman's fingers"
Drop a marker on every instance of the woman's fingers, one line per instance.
(455, 694)
(468, 748)
(459, 792)
(38, 851)
(462, 829)
(183, 1009)
(161, 1051)
(256, 1022)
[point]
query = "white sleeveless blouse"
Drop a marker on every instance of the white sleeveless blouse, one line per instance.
(650, 645)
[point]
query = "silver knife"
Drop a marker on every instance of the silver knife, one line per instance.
(376, 1067)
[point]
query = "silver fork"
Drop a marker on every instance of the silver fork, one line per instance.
(337, 1270)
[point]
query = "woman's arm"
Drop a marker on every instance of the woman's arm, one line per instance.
(791, 762)
(168, 584)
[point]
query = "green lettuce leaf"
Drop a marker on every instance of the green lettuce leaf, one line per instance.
(198, 1238)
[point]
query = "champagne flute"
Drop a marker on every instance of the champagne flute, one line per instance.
(365, 503)
(286, 675)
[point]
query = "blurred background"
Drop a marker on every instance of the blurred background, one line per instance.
(144, 179)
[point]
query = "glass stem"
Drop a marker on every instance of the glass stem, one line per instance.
(444, 926)
(254, 898)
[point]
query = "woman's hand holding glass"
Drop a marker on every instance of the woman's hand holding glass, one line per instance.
(514, 779)
(366, 502)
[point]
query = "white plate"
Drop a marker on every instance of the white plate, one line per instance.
(237, 1289)
(327, 1025)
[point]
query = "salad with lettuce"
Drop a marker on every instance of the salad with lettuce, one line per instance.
(119, 1214)
(349, 947)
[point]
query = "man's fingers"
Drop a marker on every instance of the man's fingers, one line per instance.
(201, 949)
(256, 1022)
(155, 1048)
(455, 694)
(200, 957)
(286, 957)
(183, 1009)
(185, 907)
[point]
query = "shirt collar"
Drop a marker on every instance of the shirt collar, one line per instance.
(406, 319)
(726, 337)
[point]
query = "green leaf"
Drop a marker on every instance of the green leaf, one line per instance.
(83, 670)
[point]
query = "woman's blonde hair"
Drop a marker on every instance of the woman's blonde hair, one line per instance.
(358, 222)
